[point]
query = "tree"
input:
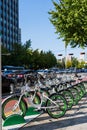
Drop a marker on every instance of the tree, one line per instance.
(75, 62)
(4, 50)
(69, 18)
(81, 64)
(35, 59)
(27, 45)
(4, 55)
(68, 63)
(16, 54)
(20, 53)
(50, 60)
(27, 54)
(24, 55)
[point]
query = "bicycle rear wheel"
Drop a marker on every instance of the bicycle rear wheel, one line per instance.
(8, 107)
(56, 105)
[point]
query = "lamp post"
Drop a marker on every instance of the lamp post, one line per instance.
(60, 55)
(71, 54)
(82, 54)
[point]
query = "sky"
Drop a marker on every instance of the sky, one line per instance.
(35, 25)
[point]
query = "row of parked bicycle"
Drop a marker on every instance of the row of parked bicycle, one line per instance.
(52, 93)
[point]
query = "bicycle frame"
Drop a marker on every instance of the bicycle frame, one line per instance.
(41, 96)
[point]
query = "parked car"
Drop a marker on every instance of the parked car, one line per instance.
(18, 76)
(14, 75)
(9, 73)
(8, 85)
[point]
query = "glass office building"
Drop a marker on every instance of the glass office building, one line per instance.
(9, 22)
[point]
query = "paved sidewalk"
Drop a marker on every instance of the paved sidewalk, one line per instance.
(74, 119)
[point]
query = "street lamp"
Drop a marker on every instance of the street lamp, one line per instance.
(61, 61)
(71, 54)
(82, 54)
(60, 56)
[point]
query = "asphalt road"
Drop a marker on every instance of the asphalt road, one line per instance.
(74, 119)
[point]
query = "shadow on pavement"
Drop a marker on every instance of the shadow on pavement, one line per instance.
(52, 125)
(76, 116)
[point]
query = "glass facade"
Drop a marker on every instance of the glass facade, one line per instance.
(9, 22)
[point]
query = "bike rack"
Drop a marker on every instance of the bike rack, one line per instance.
(17, 121)
(14, 120)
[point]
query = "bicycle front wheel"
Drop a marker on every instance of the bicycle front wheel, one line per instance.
(80, 91)
(75, 94)
(81, 85)
(9, 107)
(69, 98)
(56, 105)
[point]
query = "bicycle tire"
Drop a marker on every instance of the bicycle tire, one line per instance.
(75, 94)
(82, 86)
(79, 91)
(8, 104)
(69, 98)
(59, 110)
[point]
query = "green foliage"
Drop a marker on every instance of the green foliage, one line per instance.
(61, 64)
(4, 50)
(75, 62)
(27, 45)
(24, 55)
(69, 18)
(4, 55)
(68, 63)
(85, 65)
(43, 59)
(81, 64)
